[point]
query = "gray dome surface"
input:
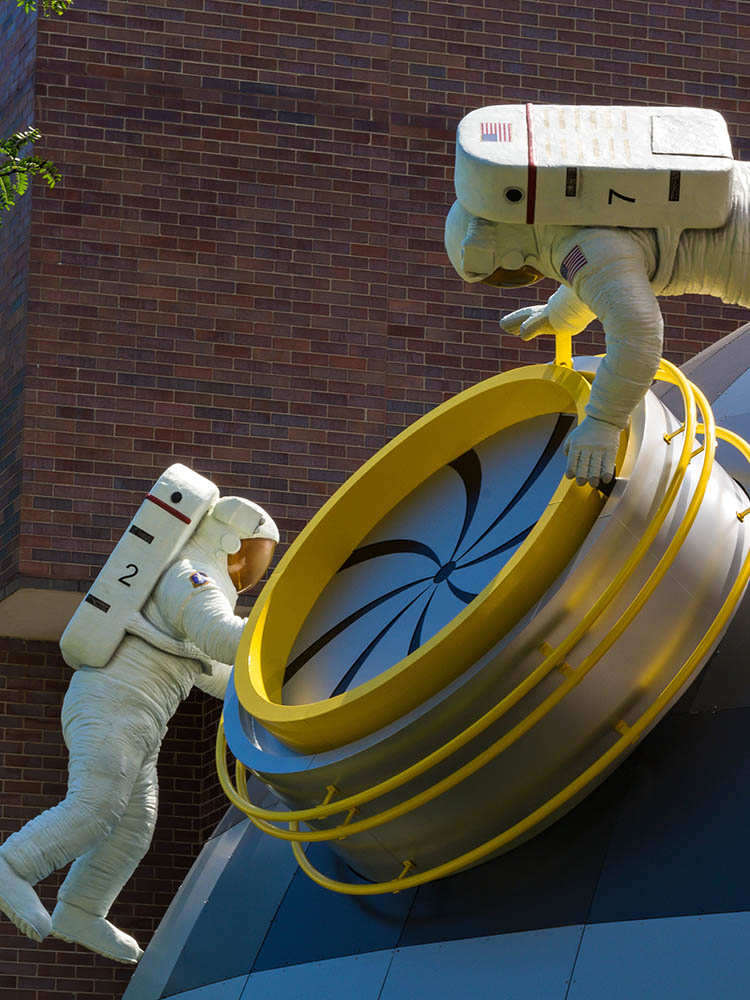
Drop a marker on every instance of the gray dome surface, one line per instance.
(722, 371)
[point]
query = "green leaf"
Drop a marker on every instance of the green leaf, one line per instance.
(49, 7)
(15, 171)
(6, 193)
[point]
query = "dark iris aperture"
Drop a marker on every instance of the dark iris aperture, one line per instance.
(444, 572)
(395, 600)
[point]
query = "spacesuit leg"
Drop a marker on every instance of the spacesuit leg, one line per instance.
(106, 753)
(96, 879)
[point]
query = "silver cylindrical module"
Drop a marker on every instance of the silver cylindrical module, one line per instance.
(560, 732)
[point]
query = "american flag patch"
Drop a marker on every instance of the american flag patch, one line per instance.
(573, 263)
(496, 131)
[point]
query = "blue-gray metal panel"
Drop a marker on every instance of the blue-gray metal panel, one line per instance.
(153, 970)
(313, 924)
(357, 977)
(427, 558)
(713, 370)
(228, 989)
(680, 846)
(232, 816)
(231, 925)
(690, 958)
(721, 371)
(725, 682)
(548, 881)
(535, 965)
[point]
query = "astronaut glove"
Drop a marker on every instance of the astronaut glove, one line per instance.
(527, 323)
(591, 449)
(562, 313)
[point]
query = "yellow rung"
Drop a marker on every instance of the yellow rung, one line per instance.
(622, 727)
(331, 790)
(742, 514)
(349, 817)
(564, 668)
(673, 434)
(698, 450)
(407, 867)
(564, 350)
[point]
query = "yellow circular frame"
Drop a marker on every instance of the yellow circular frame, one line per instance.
(356, 508)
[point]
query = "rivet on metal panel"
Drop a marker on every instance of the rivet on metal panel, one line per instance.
(673, 434)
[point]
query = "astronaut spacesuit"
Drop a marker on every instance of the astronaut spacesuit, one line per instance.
(114, 719)
(614, 274)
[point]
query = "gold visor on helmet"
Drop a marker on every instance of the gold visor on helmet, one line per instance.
(518, 278)
(248, 565)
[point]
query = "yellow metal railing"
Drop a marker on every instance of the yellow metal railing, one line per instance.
(266, 819)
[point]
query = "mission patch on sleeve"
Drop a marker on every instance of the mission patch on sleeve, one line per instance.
(199, 579)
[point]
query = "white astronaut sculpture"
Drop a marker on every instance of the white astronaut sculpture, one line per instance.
(619, 205)
(115, 713)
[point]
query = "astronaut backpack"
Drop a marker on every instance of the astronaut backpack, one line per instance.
(162, 525)
(570, 165)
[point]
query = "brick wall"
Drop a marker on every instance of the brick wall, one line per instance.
(33, 680)
(18, 32)
(244, 267)
(243, 270)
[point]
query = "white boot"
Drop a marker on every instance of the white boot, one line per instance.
(72, 924)
(20, 903)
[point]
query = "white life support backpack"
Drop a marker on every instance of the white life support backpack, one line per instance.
(572, 165)
(162, 525)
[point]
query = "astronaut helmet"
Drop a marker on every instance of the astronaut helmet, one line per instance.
(495, 253)
(244, 534)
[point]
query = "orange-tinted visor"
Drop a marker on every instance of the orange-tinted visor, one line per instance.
(513, 279)
(248, 565)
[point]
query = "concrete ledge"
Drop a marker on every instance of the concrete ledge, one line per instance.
(38, 609)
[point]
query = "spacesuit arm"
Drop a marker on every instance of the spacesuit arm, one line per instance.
(209, 621)
(614, 284)
(194, 606)
(562, 313)
(216, 682)
(139, 625)
(610, 276)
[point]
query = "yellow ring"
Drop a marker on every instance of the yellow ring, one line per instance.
(354, 510)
